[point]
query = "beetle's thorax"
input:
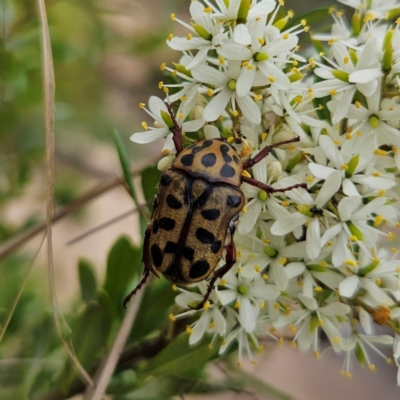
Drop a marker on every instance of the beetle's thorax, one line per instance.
(213, 160)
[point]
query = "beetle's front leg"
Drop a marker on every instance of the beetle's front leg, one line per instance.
(230, 262)
(270, 189)
(148, 267)
(265, 151)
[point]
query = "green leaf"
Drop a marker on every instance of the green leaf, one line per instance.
(90, 336)
(312, 17)
(87, 280)
(123, 265)
(150, 178)
(160, 388)
(179, 356)
(123, 159)
(153, 309)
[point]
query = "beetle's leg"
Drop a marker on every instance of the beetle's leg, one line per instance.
(270, 189)
(148, 267)
(265, 151)
(176, 131)
(230, 259)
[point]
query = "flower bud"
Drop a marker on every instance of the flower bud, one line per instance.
(356, 24)
(274, 170)
(282, 136)
(165, 162)
(201, 31)
(167, 119)
(243, 10)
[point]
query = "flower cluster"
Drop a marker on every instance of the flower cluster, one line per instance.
(321, 259)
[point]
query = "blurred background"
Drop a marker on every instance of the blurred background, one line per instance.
(107, 55)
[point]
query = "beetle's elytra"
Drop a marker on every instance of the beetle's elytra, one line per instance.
(196, 212)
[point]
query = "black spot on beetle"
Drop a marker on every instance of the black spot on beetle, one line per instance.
(199, 268)
(196, 149)
(187, 160)
(209, 159)
(216, 246)
(155, 226)
(233, 201)
(207, 143)
(203, 198)
(188, 253)
(156, 255)
(166, 223)
(211, 214)
(227, 171)
(173, 202)
(170, 247)
(165, 180)
(224, 148)
(205, 236)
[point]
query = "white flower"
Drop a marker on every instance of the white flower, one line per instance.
(163, 123)
(225, 91)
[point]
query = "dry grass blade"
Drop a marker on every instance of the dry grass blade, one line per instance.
(106, 369)
(21, 290)
(49, 91)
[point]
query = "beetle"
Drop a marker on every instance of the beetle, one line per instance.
(196, 212)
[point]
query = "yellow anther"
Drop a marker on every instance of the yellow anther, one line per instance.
(260, 348)
(222, 282)
(142, 105)
(261, 40)
(207, 10)
(174, 72)
(306, 28)
(171, 317)
(239, 270)
(264, 136)
(265, 277)
(180, 115)
(310, 178)
(281, 342)
(337, 142)
(285, 36)
(221, 60)
(379, 152)
(292, 328)
(266, 240)
(320, 322)
(282, 261)
(258, 97)
(372, 367)
(250, 67)
(244, 210)
(257, 268)
(237, 304)
(210, 92)
(262, 305)
(378, 220)
(189, 36)
(165, 89)
(358, 104)
(381, 193)
(183, 98)
(390, 235)
(210, 346)
(318, 289)
(206, 305)
(350, 263)
(238, 254)
(312, 62)
(165, 152)
(331, 42)
(303, 22)
(349, 136)
(346, 60)
(211, 325)
(378, 281)
(332, 92)
(323, 263)
(344, 167)
(174, 287)
(172, 16)
(234, 113)
(336, 339)
(170, 36)
(376, 174)
(144, 125)
(293, 344)
(285, 203)
(189, 330)
(353, 238)
(316, 354)
(271, 79)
